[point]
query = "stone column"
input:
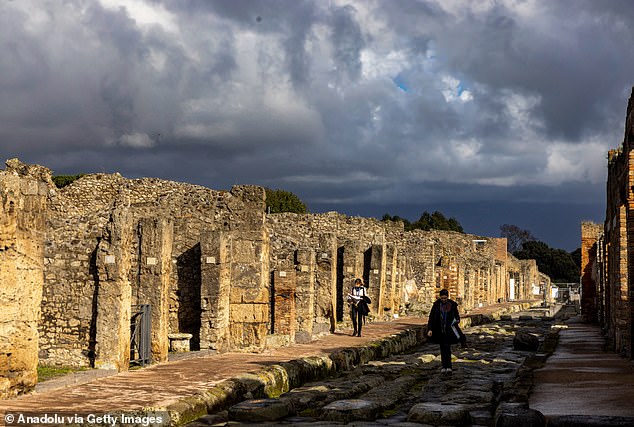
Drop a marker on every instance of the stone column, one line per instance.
(155, 265)
(387, 300)
(325, 284)
(401, 266)
(249, 296)
(590, 233)
(352, 265)
(305, 295)
(376, 285)
(284, 314)
(114, 294)
(215, 271)
(22, 216)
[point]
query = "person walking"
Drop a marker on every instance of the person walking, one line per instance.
(442, 327)
(357, 298)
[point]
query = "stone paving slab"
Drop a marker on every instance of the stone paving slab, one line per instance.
(407, 389)
(580, 378)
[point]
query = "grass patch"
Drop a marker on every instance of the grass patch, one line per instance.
(45, 373)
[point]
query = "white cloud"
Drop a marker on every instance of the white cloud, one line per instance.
(137, 140)
(453, 90)
(575, 162)
(145, 13)
(380, 65)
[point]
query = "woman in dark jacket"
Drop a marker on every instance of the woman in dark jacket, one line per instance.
(442, 327)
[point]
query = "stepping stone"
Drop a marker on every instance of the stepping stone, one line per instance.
(524, 341)
(481, 418)
(259, 410)
(510, 414)
(350, 410)
(439, 414)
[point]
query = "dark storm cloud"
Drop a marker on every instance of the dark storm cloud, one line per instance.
(347, 40)
(346, 103)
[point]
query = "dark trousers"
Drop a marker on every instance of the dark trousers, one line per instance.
(445, 352)
(357, 319)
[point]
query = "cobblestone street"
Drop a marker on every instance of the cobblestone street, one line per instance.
(407, 388)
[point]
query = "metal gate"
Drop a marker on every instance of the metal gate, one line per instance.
(140, 335)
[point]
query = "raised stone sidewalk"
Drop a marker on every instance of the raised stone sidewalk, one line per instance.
(187, 389)
(582, 384)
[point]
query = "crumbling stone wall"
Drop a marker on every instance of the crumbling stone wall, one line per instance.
(528, 281)
(403, 270)
(23, 197)
(472, 268)
(615, 262)
(162, 262)
(317, 245)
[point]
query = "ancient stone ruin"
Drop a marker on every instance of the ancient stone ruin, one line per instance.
(80, 266)
(608, 250)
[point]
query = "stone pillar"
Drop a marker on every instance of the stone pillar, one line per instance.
(501, 260)
(155, 266)
(325, 284)
(376, 285)
(249, 296)
(447, 276)
(114, 293)
(590, 233)
(399, 288)
(284, 314)
(215, 272)
(22, 216)
(305, 295)
(387, 299)
(352, 265)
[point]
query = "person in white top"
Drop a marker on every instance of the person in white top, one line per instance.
(358, 306)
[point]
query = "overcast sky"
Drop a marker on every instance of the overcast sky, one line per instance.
(492, 112)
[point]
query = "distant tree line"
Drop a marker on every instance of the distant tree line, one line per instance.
(427, 221)
(63, 180)
(559, 265)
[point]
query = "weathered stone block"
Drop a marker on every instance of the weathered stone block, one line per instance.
(525, 341)
(518, 415)
(248, 293)
(439, 414)
(259, 410)
(249, 313)
(179, 343)
(345, 411)
(248, 336)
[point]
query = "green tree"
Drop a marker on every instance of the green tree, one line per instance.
(396, 218)
(437, 221)
(63, 180)
(427, 221)
(576, 257)
(278, 201)
(556, 263)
